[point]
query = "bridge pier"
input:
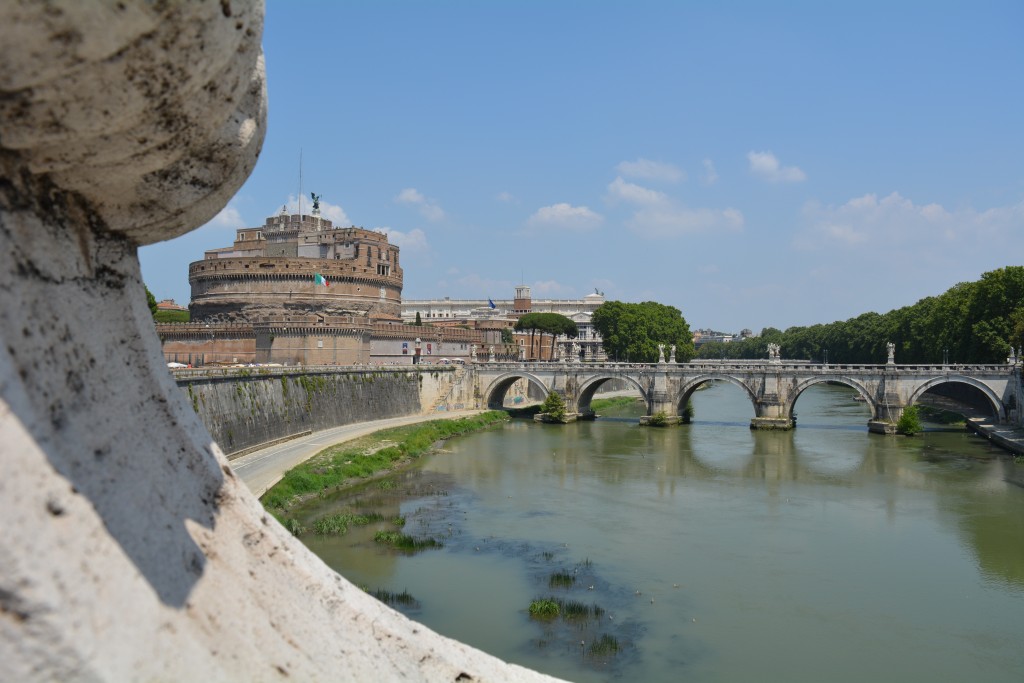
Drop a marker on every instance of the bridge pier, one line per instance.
(662, 409)
(885, 421)
(771, 414)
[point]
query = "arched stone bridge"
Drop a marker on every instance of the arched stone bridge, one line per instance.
(773, 386)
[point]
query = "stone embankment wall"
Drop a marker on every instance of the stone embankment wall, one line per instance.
(243, 408)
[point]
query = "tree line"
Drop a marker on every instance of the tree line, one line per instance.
(972, 322)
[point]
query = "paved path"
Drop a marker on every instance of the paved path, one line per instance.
(262, 469)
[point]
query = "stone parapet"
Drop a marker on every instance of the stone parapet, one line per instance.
(131, 551)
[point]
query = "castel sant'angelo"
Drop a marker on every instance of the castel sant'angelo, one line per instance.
(300, 290)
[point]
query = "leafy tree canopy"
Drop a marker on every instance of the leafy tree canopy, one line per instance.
(151, 300)
(633, 331)
(548, 323)
(972, 322)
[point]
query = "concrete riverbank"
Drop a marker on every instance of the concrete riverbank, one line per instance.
(1006, 436)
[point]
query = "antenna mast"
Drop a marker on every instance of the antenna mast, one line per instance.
(300, 183)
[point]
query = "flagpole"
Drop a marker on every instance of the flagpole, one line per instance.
(300, 184)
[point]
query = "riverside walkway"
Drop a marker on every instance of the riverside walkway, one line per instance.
(259, 470)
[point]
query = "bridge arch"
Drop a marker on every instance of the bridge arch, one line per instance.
(590, 386)
(995, 402)
(801, 387)
(686, 391)
(494, 394)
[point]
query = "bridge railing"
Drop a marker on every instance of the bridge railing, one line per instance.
(791, 367)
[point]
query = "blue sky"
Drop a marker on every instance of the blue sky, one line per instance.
(752, 164)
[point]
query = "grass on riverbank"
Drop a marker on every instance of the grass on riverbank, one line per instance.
(345, 463)
(599, 404)
(941, 416)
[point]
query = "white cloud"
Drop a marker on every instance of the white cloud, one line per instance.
(413, 241)
(428, 208)
(565, 216)
(767, 167)
(651, 170)
(551, 288)
(677, 220)
(475, 286)
(620, 190)
(660, 216)
(710, 176)
(506, 197)
(228, 217)
(332, 212)
(895, 221)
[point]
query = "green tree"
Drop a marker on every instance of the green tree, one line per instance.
(419, 320)
(506, 336)
(151, 300)
(527, 322)
(972, 322)
(554, 406)
(909, 422)
(633, 331)
(547, 323)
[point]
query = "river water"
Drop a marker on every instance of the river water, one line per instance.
(714, 553)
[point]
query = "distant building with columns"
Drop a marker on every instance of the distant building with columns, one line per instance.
(497, 314)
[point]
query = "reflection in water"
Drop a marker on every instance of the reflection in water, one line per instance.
(824, 553)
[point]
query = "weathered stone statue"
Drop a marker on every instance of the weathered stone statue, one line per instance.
(774, 352)
(130, 549)
(672, 354)
(490, 350)
(661, 353)
(891, 349)
(575, 352)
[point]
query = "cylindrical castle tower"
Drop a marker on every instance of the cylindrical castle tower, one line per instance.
(298, 265)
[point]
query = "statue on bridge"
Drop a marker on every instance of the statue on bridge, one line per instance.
(661, 353)
(672, 354)
(891, 348)
(575, 352)
(774, 353)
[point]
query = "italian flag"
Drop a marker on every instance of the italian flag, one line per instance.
(321, 280)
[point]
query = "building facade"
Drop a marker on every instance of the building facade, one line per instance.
(503, 313)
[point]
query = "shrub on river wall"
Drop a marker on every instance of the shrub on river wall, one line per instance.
(909, 422)
(658, 419)
(554, 406)
(335, 466)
